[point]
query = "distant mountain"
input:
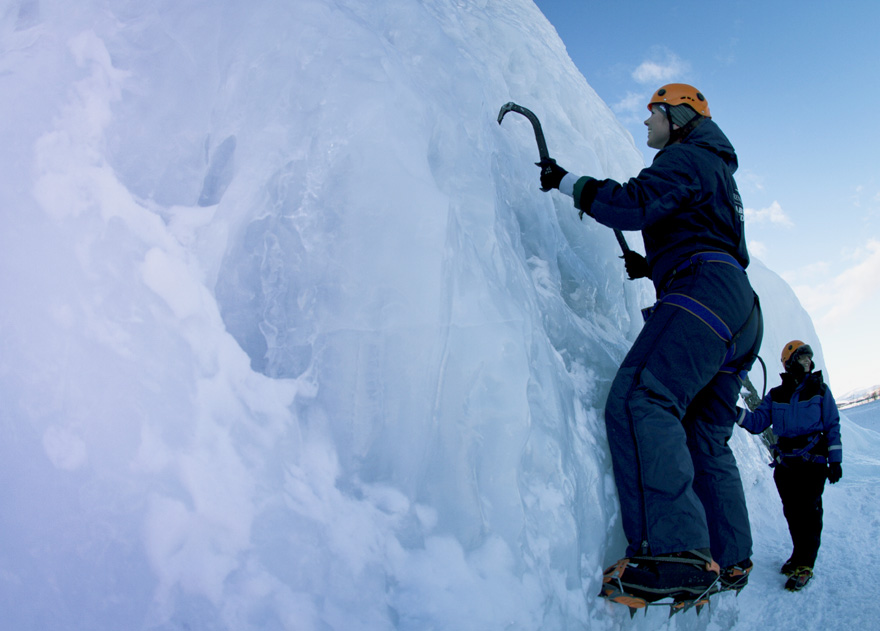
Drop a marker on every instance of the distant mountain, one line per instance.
(855, 397)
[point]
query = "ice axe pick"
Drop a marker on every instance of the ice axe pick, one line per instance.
(542, 148)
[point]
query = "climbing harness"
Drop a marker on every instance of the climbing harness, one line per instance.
(709, 317)
(779, 456)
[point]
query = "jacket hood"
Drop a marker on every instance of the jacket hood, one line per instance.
(708, 135)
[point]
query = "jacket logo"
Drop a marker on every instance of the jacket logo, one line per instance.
(738, 204)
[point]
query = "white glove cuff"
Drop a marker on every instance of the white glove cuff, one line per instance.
(566, 186)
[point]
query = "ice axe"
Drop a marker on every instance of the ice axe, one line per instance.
(542, 148)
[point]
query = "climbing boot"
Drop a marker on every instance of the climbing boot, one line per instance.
(639, 580)
(735, 577)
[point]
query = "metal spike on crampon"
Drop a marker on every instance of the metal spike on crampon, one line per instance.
(685, 605)
(610, 592)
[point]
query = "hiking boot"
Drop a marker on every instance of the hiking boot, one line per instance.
(798, 579)
(682, 575)
(736, 576)
(788, 567)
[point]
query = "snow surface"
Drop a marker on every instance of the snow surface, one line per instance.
(291, 340)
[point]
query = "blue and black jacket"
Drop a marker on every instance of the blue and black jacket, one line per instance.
(804, 418)
(686, 202)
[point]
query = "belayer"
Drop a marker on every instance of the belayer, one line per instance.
(808, 450)
(672, 405)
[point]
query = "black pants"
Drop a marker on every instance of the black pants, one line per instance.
(800, 485)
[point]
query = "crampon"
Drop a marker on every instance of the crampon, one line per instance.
(799, 578)
(641, 582)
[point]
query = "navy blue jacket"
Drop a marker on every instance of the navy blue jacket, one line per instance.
(797, 409)
(684, 203)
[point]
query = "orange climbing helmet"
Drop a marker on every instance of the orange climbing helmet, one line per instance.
(795, 347)
(681, 94)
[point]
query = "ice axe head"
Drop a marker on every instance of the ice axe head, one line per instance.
(507, 107)
(536, 125)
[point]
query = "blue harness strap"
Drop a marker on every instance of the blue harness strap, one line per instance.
(707, 317)
(702, 257)
(701, 311)
(694, 259)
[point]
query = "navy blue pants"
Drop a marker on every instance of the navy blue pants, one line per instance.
(670, 414)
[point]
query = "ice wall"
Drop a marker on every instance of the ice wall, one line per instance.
(290, 338)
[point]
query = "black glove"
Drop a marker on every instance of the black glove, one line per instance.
(636, 265)
(551, 174)
(835, 472)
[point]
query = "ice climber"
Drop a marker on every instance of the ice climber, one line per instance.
(808, 450)
(672, 406)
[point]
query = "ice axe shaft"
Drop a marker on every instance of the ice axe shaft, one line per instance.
(620, 239)
(542, 148)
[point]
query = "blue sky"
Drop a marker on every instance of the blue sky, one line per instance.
(796, 88)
